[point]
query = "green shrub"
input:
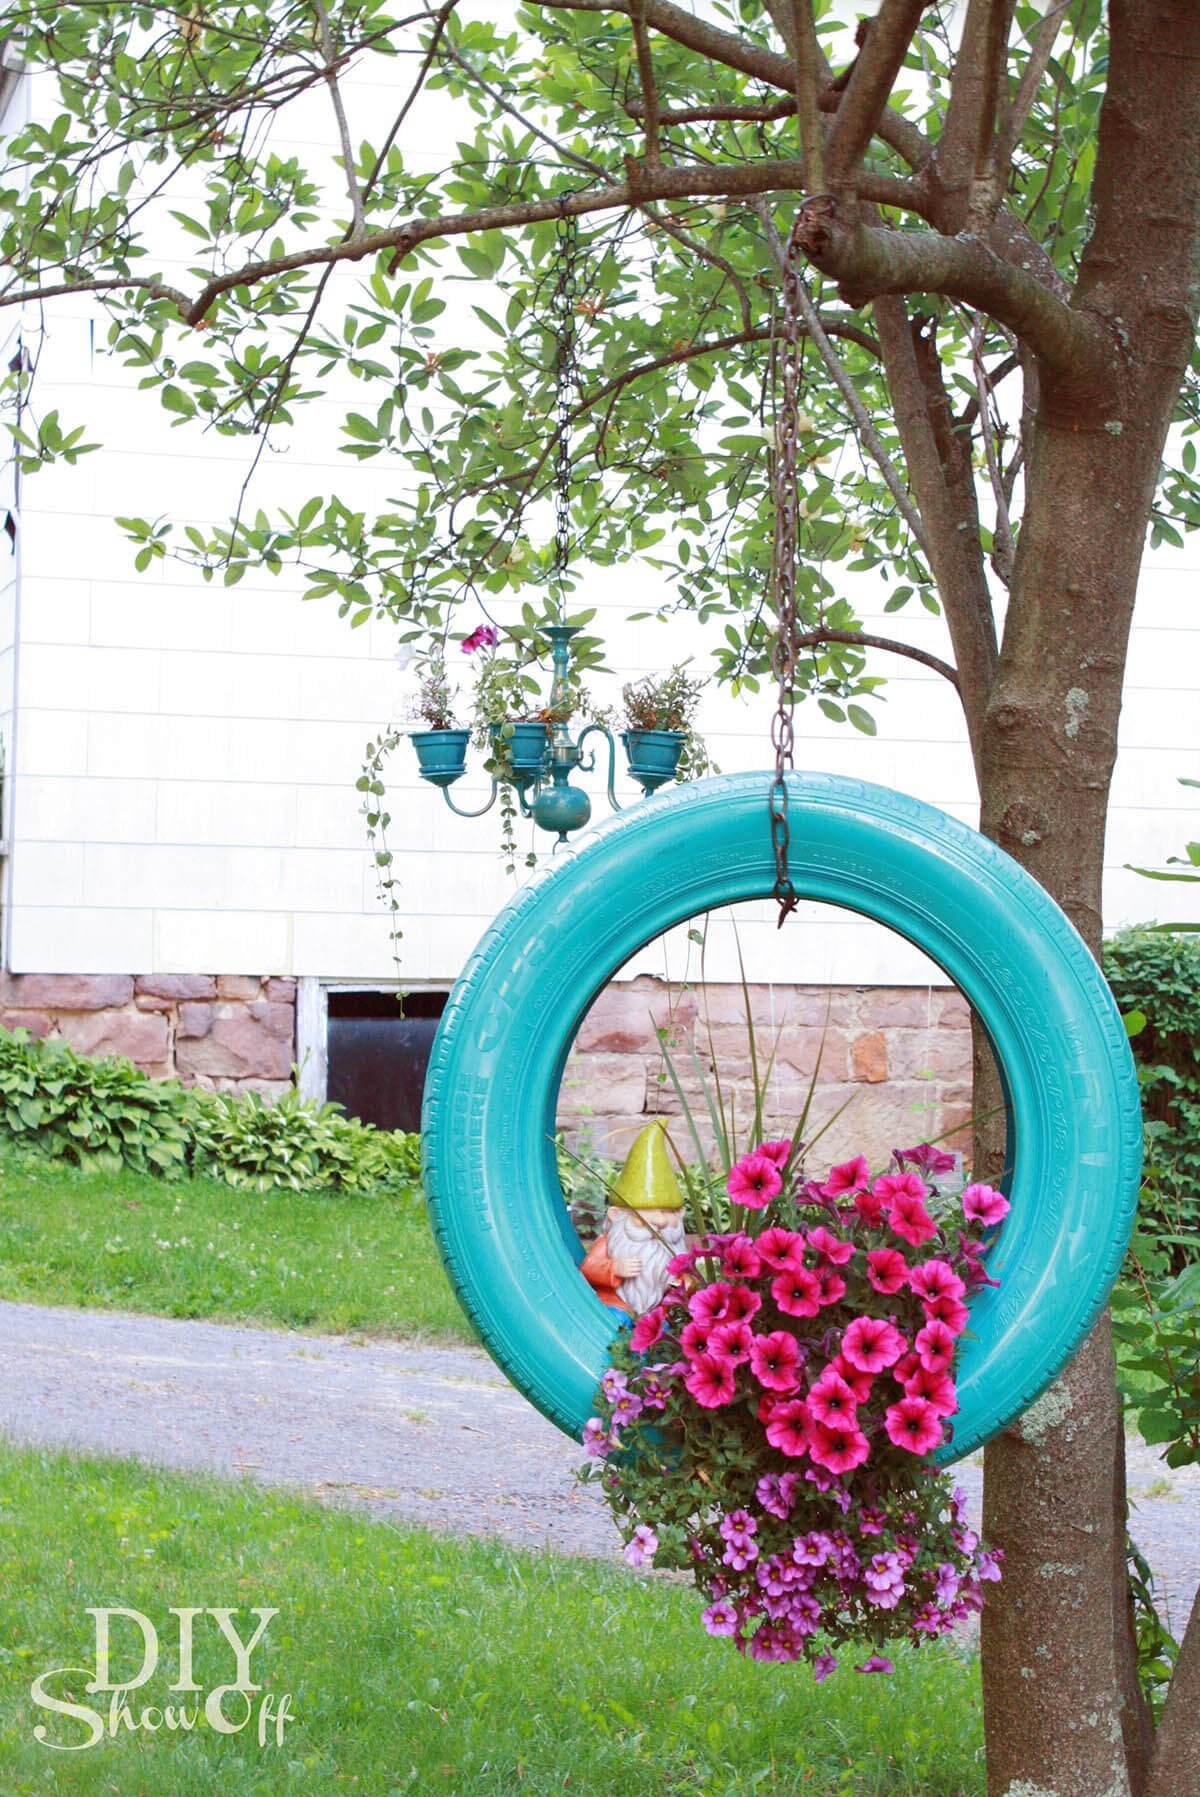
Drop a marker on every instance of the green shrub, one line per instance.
(1156, 976)
(63, 1104)
(69, 1106)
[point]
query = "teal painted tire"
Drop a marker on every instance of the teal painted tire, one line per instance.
(1074, 1115)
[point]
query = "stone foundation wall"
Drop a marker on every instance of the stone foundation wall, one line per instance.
(898, 1059)
(223, 1031)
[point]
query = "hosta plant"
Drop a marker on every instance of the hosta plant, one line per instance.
(769, 1426)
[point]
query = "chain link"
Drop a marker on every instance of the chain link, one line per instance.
(783, 578)
(566, 380)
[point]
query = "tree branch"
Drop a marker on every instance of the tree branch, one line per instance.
(1032, 76)
(812, 145)
(867, 261)
(329, 52)
(867, 434)
(813, 639)
(1003, 547)
(963, 157)
(647, 83)
(869, 87)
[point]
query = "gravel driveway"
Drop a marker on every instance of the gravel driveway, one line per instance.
(435, 1435)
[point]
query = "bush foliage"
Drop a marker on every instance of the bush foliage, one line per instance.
(108, 1111)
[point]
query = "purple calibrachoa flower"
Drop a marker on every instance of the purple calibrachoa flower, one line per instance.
(642, 1546)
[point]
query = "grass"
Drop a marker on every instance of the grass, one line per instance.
(200, 1248)
(423, 1664)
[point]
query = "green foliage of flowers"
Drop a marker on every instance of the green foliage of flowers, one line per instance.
(108, 1113)
(1155, 976)
(429, 1665)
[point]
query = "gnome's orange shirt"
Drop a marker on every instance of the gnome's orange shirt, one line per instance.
(597, 1269)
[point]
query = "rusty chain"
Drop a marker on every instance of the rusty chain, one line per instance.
(783, 578)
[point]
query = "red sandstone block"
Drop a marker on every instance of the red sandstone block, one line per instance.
(277, 1019)
(281, 992)
(36, 1022)
(238, 985)
(937, 1053)
(814, 1005)
(237, 1047)
(896, 1007)
(869, 1058)
(951, 1009)
(803, 1050)
(194, 1021)
(176, 985)
(66, 991)
(138, 1035)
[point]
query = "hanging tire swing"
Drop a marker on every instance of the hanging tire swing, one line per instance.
(1073, 1111)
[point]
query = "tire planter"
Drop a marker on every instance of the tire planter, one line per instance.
(1074, 1117)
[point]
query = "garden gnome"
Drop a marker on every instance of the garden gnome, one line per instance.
(643, 1229)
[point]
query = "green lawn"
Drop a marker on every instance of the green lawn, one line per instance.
(200, 1248)
(416, 1663)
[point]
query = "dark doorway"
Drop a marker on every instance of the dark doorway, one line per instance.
(378, 1054)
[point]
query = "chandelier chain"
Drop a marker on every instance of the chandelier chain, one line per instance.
(566, 381)
(783, 575)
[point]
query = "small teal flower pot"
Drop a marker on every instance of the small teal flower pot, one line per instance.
(525, 747)
(653, 756)
(441, 755)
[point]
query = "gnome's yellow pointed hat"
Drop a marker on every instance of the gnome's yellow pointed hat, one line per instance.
(647, 1180)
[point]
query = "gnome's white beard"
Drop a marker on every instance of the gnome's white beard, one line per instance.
(628, 1239)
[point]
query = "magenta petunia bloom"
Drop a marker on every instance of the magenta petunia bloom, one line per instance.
(871, 1344)
(823, 1665)
(647, 1330)
(797, 1292)
(695, 1338)
(830, 1286)
(788, 1427)
(877, 1663)
(887, 1270)
(913, 1424)
(741, 1259)
(780, 1248)
(890, 1186)
(731, 1341)
(869, 1208)
(831, 1400)
(829, 1246)
(484, 636)
(936, 1279)
(774, 1360)
(860, 1382)
(909, 1219)
(951, 1311)
(935, 1345)
(754, 1181)
(850, 1176)
(711, 1304)
(927, 1159)
(711, 1381)
(984, 1204)
(838, 1449)
(743, 1304)
(936, 1388)
(780, 1152)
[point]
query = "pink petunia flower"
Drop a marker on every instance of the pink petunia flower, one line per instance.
(984, 1204)
(877, 1663)
(731, 1341)
(788, 1427)
(860, 1382)
(830, 1286)
(720, 1618)
(774, 1360)
(823, 1665)
(839, 1449)
(832, 1402)
(850, 1176)
(754, 1181)
(913, 1424)
(871, 1344)
(870, 1208)
(711, 1381)
(797, 1292)
(780, 1152)
(935, 1345)
(780, 1249)
(642, 1546)
(887, 1270)
(909, 1219)
(484, 636)
(829, 1246)
(927, 1159)
(936, 1389)
(696, 1337)
(741, 1259)
(935, 1279)
(951, 1311)
(647, 1330)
